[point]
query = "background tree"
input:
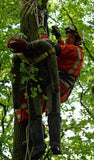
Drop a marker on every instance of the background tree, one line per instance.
(78, 111)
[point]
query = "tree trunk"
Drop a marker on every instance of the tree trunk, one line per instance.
(29, 28)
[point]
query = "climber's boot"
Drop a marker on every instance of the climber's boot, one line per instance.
(37, 136)
(54, 122)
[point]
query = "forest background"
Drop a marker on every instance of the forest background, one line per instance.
(77, 131)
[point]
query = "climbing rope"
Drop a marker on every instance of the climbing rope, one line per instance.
(39, 15)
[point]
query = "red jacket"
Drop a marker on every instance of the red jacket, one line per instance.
(70, 59)
(69, 62)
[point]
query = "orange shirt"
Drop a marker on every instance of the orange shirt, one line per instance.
(70, 59)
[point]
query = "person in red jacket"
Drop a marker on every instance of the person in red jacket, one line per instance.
(69, 59)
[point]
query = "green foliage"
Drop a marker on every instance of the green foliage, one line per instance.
(77, 134)
(30, 74)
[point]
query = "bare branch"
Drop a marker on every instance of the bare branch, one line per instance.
(9, 14)
(3, 117)
(54, 19)
(66, 12)
(5, 157)
(74, 24)
(6, 2)
(88, 51)
(2, 105)
(16, 10)
(10, 121)
(86, 107)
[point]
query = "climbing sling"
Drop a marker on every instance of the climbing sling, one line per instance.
(69, 81)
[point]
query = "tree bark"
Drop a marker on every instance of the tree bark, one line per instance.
(28, 27)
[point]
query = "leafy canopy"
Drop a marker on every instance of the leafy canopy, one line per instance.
(78, 112)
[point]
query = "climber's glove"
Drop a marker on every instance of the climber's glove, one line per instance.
(55, 31)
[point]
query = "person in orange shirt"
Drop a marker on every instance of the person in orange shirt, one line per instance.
(69, 59)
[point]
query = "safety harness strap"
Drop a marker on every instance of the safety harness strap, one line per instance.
(23, 57)
(39, 15)
(69, 80)
(38, 59)
(43, 56)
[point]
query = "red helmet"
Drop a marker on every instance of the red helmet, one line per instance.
(17, 44)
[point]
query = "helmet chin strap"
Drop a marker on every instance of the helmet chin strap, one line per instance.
(79, 42)
(75, 43)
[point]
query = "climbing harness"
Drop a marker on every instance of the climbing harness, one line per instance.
(39, 15)
(33, 62)
(69, 81)
(41, 18)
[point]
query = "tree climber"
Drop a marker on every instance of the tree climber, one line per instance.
(41, 54)
(69, 58)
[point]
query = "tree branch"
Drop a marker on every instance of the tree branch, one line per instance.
(3, 116)
(54, 19)
(9, 14)
(5, 157)
(88, 51)
(74, 24)
(15, 10)
(10, 121)
(86, 107)
(6, 2)
(67, 12)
